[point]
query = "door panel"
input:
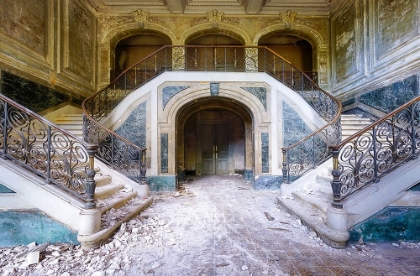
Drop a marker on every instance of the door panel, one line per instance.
(215, 148)
(222, 149)
(207, 147)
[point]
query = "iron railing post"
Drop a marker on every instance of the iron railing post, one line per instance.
(90, 183)
(375, 166)
(336, 183)
(314, 152)
(413, 133)
(6, 107)
(282, 68)
(143, 167)
(48, 154)
(285, 167)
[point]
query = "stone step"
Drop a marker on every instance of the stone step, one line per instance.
(113, 219)
(102, 180)
(314, 201)
(116, 201)
(72, 123)
(354, 126)
(311, 218)
(107, 190)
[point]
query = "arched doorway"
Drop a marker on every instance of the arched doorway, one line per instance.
(298, 51)
(214, 137)
(132, 49)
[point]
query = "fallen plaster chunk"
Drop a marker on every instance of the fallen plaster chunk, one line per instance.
(32, 257)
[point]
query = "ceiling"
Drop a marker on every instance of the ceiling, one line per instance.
(252, 7)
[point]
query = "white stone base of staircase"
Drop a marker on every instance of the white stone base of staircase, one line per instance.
(32, 192)
(118, 200)
(310, 198)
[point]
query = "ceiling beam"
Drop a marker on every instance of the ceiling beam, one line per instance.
(253, 6)
(176, 6)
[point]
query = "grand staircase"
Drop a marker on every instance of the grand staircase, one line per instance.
(310, 196)
(117, 202)
(118, 199)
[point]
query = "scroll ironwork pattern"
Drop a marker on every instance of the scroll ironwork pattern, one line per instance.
(371, 153)
(43, 148)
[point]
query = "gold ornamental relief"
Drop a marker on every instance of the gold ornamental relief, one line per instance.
(288, 17)
(214, 17)
(139, 16)
(144, 16)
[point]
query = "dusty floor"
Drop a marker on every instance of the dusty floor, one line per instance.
(217, 226)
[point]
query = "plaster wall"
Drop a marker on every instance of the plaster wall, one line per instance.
(50, 42)
(373, 44)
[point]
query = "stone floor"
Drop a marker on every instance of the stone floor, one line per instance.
(219, 226)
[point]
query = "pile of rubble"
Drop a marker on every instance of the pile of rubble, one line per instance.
(66, 259)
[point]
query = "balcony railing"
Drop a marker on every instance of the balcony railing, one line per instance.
(298, 158)
(371, 153)
(47, 150)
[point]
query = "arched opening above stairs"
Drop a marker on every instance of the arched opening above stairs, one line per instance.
(297, 50)
(131, 49)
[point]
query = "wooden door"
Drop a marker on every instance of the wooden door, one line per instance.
(215, 148)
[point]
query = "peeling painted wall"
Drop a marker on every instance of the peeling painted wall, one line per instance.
(374, 44)
(50, 42)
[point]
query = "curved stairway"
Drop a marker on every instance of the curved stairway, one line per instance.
(310, 196)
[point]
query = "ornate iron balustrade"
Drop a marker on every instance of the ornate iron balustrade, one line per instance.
(376, 150)
(215, 59)
(47, 150)
(311, 150)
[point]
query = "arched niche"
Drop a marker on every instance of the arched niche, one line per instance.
(131, 49)
(319, 44)
(297, 50)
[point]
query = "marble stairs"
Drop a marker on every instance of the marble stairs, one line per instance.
(310, 197)
(116, 201)
(73, 123)
(352, 123)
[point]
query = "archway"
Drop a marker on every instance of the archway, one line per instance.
(132, 49)
(296, 50)
(214, 136)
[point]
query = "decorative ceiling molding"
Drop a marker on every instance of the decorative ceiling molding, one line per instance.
(229, 7)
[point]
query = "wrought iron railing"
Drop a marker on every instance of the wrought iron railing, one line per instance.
(371, 153)
(47, 150)
(298, 158)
